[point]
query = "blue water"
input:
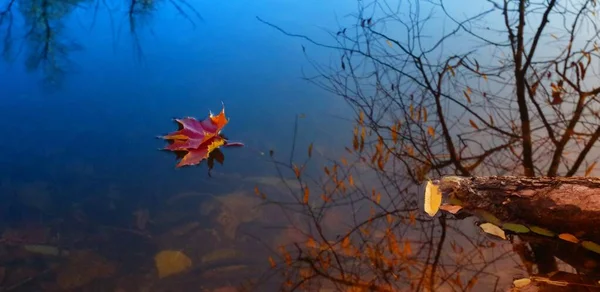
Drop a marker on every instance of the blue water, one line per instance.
(80, 112)
(119, 91)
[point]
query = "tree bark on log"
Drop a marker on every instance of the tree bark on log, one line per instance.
(561, 204)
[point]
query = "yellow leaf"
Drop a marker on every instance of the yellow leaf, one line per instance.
(541, 231)
(171, 262)
(431, 131)
(591, 246)
(568, 237)
(520, 283)
(473, 124)
(590, 168)
(493, 230)
(517, 228)
(433, 198)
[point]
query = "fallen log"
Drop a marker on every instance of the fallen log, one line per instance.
(561, 204)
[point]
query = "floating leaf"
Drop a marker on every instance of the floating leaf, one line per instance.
(493, 230)
(591, 246)
(171, 262)
(541, 231)
(198, 139)
(433, 198)
(520, 283)
(45, 249)
(453, 209)
(517, 228)
(568, 237)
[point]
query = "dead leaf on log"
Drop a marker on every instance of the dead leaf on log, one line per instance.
(542, 231)
(520, 283)
(591, 246)
(493, 230)
(516, 228)
(568, 237)
(433, 198)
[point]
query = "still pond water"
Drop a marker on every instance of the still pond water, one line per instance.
(87, 201)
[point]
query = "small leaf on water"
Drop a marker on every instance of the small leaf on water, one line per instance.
(520, 283)
(492, 229)
(542, 231)
(517, 228)
(568, 237)
(591, 246)
(433, 198)
(170, 262)
(453, 209)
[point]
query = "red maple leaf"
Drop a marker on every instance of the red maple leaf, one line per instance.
(196, 140)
